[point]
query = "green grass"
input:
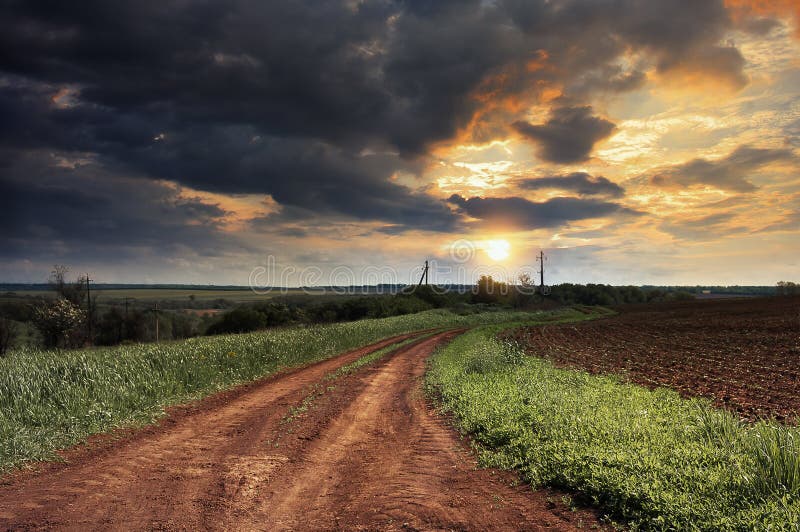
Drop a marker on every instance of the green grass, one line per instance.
(649, 458)
(50, 400)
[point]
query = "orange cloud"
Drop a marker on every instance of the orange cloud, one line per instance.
(741, 9)
(502, 96)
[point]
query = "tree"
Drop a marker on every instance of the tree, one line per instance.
(183, 326)
(8, 333)
(110, 327)
(525, 290)
(489, 291)
(58, 322)
(786, 288)
(75, 292)
(238, 320)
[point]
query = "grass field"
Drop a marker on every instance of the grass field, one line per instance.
(53, 399)
(647, 457)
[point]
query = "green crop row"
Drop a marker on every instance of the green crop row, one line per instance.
(50, 400)
(649, 458)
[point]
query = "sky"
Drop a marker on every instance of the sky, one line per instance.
(346, 142)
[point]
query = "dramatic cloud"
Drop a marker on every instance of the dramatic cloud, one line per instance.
(341, 113)
(728, 173)
(579, 182)
(80, 212)
(521, 214)
(755, 15)
(569, 135)
(606, 79)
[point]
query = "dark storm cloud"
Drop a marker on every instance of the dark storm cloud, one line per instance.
(47, 211)
(569, 135)
(400, 72)
(727, 173)
(521, 214)
(676, 35)
(319, 104)
(579, 182)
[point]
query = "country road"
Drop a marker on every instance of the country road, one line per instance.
(296, 451)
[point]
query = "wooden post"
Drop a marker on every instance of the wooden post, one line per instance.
(155, 311)
(89, 307)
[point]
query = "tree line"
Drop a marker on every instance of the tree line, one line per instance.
(73, 319)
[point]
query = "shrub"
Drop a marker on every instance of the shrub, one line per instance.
(58, 322)
(238, 320)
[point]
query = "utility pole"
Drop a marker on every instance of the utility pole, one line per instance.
(125, 300)
(424, 275)
(541, 259)
(89, 306)
(155, 311)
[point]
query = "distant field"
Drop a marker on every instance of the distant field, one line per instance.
(163, 294)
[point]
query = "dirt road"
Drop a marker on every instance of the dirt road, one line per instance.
(363, 451)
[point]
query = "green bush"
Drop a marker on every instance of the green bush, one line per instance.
(238, 320)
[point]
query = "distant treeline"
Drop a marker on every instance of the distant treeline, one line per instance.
(729, 290)
(485, 294)
(372, 289)
(67, 320)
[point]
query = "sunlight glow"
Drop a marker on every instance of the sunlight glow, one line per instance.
(497, 249)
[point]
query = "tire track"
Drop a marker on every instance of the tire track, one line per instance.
(368, 455)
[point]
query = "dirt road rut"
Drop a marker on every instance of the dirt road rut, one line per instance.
(364, 453)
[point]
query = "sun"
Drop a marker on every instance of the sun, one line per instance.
(497, 249)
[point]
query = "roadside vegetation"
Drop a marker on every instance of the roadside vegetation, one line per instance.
(649, 458)
(51, 399)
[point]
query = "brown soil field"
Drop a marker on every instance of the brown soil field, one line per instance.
(296, 451)
(744, 354)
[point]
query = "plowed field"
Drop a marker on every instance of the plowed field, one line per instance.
(744, 354)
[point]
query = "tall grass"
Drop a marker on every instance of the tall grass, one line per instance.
(647, 457)
(776, 452)
(52, 399)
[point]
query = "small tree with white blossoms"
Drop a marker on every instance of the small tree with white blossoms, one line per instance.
(59, 322)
